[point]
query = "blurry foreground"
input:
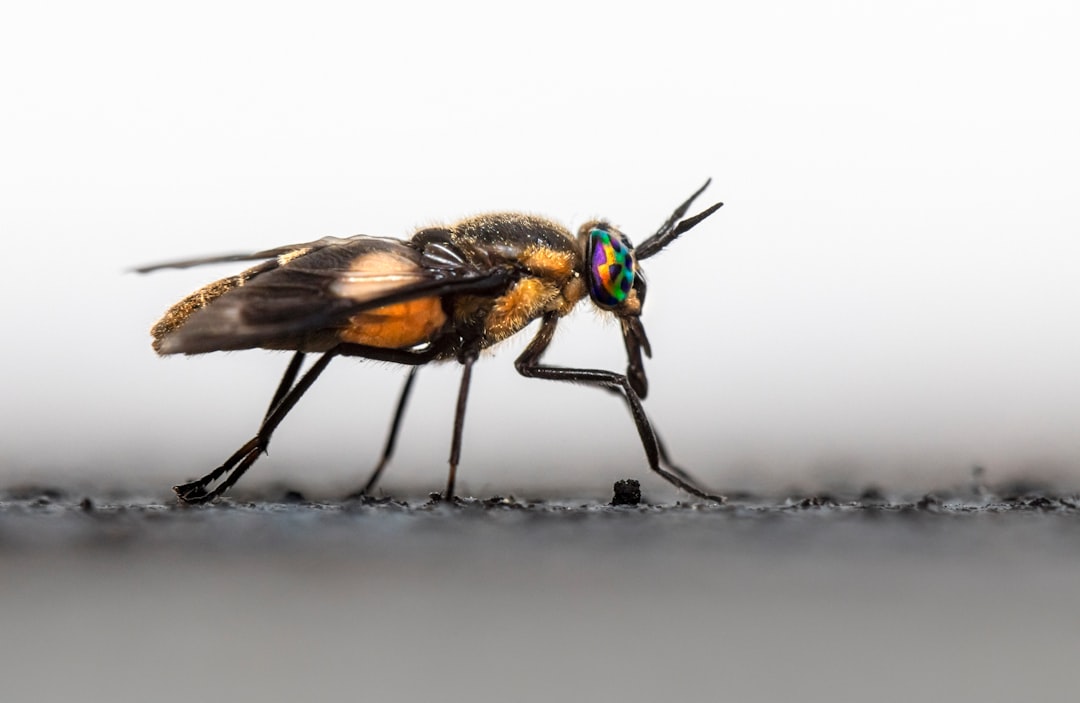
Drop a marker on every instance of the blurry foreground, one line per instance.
(862, 597)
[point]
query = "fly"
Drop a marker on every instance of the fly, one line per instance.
(444, 294)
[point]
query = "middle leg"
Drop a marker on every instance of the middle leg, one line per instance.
(391, 439)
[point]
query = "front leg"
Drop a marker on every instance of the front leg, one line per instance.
(528, 364)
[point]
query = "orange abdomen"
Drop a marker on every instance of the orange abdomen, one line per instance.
(396, 326)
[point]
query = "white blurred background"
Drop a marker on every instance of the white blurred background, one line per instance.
(888, 296)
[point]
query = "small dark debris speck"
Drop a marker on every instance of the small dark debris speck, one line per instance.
(872, 494)
(927, 501)
(87, 505)
(627, 492)
(292, 496)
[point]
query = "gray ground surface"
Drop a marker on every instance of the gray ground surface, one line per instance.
(968, 596)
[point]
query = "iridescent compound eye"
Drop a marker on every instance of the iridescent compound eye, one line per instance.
(611, 268)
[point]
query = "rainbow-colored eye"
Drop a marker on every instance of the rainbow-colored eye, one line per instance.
(611, 268)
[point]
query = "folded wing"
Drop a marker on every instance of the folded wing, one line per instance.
(364, 290)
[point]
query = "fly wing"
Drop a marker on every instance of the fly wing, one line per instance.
(287, 251)
(306, 301)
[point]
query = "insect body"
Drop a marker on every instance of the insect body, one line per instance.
(444, 294)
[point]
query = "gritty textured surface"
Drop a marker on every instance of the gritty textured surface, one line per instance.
(963, 596)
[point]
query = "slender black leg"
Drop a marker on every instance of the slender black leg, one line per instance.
(283, 388)
(285, 397)
(286, 381)
(459, 422)
(528, 365)
(243, 458)
(665, 458)
(417, 358)
(391, 439)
